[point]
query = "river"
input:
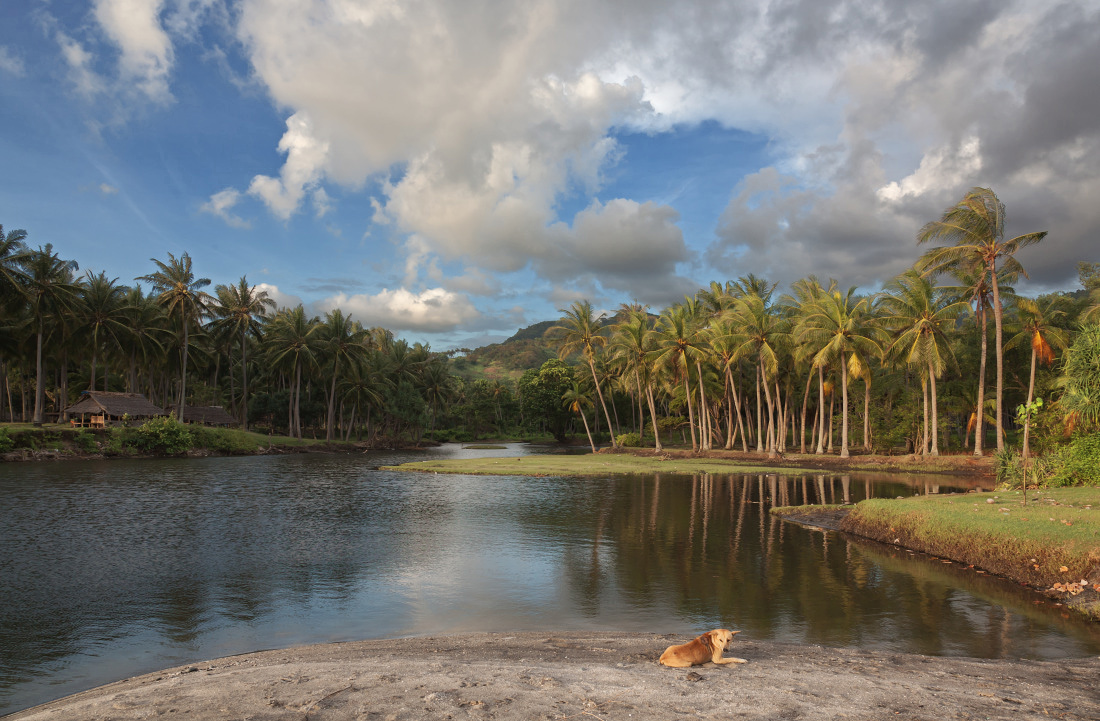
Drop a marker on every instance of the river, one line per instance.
(116, 568)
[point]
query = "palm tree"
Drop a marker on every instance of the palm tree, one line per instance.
(632, 343)
(976, 229)
(761, 334)
(239, 308)
(342, 344)
(920, 316)
(676, 346)
(293, 337)
(178, 292)
(575, 400)
(839, 325)
(50, 291)
(1037, 329)
(13, 253)
(579, 332)
(146, 324)
(103, 310)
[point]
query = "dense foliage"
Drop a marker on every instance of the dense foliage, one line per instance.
(738, 365)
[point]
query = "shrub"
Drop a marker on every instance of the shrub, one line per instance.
(1079, 463)
(223, 440)
(6, 442)
(164, 435)
(85, 441)
(629, 440)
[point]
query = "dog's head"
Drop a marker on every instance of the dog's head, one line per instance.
(720, 637)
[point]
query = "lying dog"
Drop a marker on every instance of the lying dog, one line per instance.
(708, 647)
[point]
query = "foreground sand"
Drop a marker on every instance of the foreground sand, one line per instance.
(588, 675)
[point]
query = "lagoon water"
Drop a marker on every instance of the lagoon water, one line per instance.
(115, 568)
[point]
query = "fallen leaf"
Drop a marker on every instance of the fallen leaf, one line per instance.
(1063, 569)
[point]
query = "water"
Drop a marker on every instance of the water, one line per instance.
(112, 569)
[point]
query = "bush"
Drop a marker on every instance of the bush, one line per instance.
(629, 440)
(85, 441)
(223, 440)
(1079, 463)
(163, 435)
(6, 442)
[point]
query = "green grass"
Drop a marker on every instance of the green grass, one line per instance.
(1059, 528)
(590, 464)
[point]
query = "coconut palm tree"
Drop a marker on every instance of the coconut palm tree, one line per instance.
(179, 292)
(579, 332)
(293, 338)
(341, 342)
(975, 227)
(50, 291)
(762, 335)
(839, 325)
(676, 347)
(920, 316)
(576, 400)
(103, 311)
(13, 253)
(1037, 329)
(631, 343)
(238, 309)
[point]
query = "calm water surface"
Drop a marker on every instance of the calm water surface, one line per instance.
(111, 569)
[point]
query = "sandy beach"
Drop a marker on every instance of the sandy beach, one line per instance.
(588, 675)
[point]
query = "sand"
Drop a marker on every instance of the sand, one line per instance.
(588, 676)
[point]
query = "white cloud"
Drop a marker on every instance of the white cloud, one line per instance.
(282, 300)
(11, 63)
(145, 49)
(306, 156)
(434, 310)
(221, 204)
(108, 189)
(81, 73)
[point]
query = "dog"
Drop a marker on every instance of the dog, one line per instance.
(708, 647)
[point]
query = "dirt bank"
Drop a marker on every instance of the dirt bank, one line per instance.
(590, 675)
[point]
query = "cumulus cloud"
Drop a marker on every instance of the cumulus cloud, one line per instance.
(221, 204)
(434, 310)
(146, 53)
(282, 300)
(305, 161)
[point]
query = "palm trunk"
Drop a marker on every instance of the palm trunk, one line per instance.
(844, 405)
(820, 410)
(244, 381)
(924, 437)
(805, 403)
(183, 374)
(998, 348)
(39, 385)
(691, 412)
(587, 432)
(704, 414)
(935, 413)
(867, 412)
(981, 383)
(771, 411)
(759, 414)
(653, 415)
(606, 415)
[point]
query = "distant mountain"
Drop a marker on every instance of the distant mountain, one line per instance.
(533, 332)
(528, 348)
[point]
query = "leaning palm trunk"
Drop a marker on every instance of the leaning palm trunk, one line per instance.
(653, 415)
(820, 410)
(1030, 396)
(691, 412)
(999, 349)
(771, 411)
(704, 414)
(805, 402)
(606, 415)
(978, 418)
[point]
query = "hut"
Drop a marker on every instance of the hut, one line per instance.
(97, 409)
(205, 415)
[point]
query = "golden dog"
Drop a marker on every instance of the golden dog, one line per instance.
(708, 647)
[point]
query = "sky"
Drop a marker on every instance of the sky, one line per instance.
(454, 170)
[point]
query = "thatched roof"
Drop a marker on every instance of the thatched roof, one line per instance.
(210, 415)
(114, 405)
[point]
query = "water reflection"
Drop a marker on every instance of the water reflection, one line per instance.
(113, 569)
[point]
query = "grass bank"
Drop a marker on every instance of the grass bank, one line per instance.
(590, 464)
(52, 441)
(1052, 543)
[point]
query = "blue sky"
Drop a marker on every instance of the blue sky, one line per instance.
(454, 171)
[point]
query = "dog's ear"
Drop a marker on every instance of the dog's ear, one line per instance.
(734, 633)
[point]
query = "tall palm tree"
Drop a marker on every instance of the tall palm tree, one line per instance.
(341, 342)
(293, 338)
(975, 227)
(103, 311)
(146, 327)
(50, 291)
(631, 343)
(13, 253)
(239, 308)
(920, 315)
(179, 292)
(579, 332)
(676, 347)
(1037, 329)
(763, 335)
(839, 325)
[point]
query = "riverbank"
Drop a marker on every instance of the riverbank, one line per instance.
(591, 675)
(1051, 544)
(637, 460)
